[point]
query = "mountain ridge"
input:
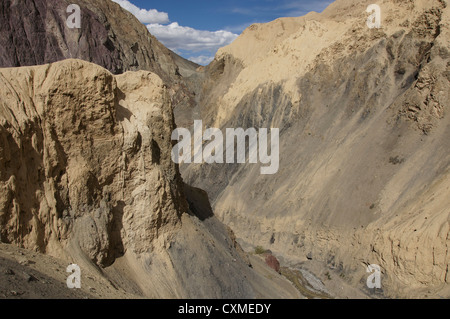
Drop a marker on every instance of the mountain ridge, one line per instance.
(35, 32)
(363, 138)
(87, 177)
(85, 154)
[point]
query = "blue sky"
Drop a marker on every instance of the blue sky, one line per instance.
(196, 29)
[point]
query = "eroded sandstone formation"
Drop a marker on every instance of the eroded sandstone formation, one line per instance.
(85, 152)
(87, 176)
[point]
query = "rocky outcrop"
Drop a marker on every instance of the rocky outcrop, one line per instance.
(86, 176)
(35, 32)
(86, 153)
(272, 262)
(364, 140)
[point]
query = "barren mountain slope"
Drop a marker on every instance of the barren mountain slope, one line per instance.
(86, 176)
(35, 32)
(364, 172)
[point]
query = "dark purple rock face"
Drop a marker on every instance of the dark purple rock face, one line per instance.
(34, 32)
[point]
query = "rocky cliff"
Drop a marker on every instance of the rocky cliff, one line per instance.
(86, 175)
(364, 141)
(35, 32)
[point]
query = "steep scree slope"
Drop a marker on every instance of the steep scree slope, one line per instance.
(364, 141)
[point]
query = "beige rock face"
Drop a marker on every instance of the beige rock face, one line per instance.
(364, 141)
(86, 176)
(85, 152)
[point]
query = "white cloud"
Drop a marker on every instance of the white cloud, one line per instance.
(144, 16)
(177, 37)
(202, 59)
